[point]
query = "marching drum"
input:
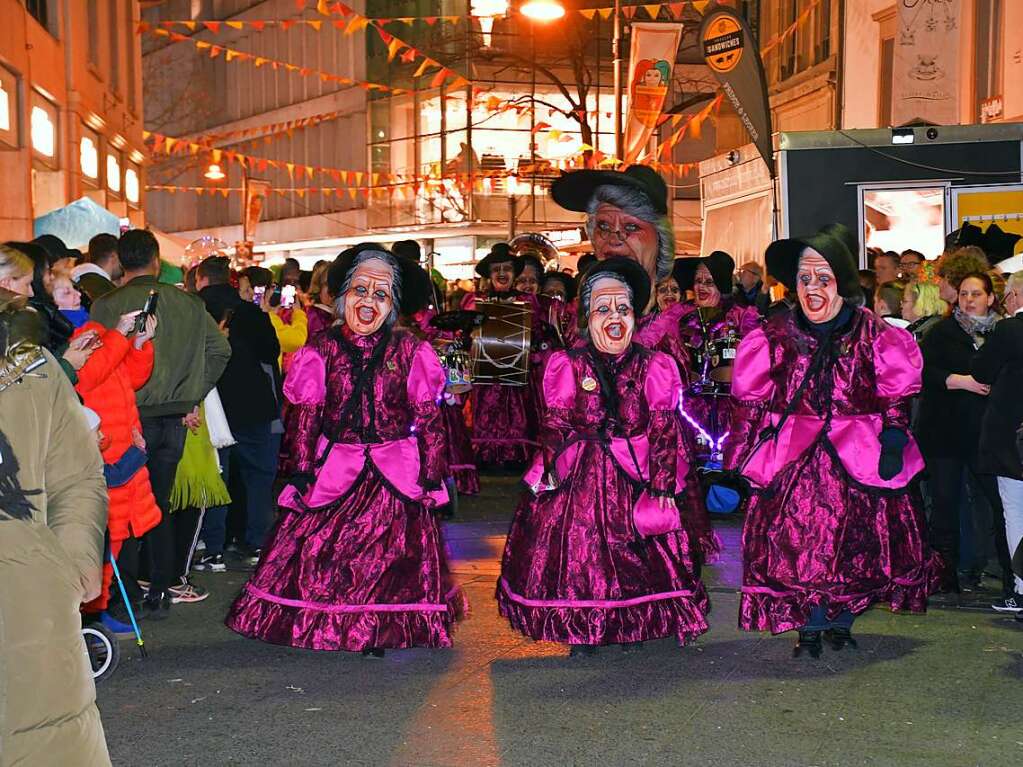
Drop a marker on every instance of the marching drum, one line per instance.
(457, 366)
(500, 348)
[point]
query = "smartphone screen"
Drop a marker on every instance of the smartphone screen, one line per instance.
(257, 294)
(288, 296)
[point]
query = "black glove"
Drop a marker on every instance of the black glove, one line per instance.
(301, 482)
(893, 442)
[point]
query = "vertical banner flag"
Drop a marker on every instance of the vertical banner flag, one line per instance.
(732, 55)
(926, 81)
(651, 61)
(256, 192)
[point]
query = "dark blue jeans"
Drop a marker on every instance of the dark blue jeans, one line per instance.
(255, 459)
(214, 520)
(818, 620)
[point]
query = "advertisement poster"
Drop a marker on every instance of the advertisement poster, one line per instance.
(256, 193)
(654, 47)
(732, 55)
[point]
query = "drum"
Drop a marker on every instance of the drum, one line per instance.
(457, 366)
(725, 349)
(500, 345)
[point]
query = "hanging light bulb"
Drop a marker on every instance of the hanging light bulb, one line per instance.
(543, 10)
(214, 173)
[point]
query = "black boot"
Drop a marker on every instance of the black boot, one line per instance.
(839, 637)
(373, 652)
(582, 649)
(810, 642)
(631, 647)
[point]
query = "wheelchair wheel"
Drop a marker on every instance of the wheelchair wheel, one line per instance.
(103, 650)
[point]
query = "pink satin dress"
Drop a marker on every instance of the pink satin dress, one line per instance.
(823, 528)
(357, 560)
(592, 558)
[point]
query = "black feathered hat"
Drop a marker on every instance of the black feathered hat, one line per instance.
(683, 270)
(575, 189)
(967, 234)
(999, 244)
(631, 272)
(782, 259)
(571, 287)
(499, 253)
(416, 289)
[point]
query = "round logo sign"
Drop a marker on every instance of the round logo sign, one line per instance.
(722, 43)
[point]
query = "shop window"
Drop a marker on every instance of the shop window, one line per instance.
(8, 107)
(131, 185)
(88, 154)
(113, 173)
(43, 127)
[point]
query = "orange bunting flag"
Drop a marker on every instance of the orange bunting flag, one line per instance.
(212, 26)
(652, 10)
(588, 13)
(408, 56)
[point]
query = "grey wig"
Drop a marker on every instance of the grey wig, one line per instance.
(368, 255)
(637, 204)
(585, 293)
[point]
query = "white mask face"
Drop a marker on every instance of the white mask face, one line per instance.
(612, 320)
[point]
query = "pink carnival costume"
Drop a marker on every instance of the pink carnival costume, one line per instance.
(356, 561)
(821, 434)
(600, 555)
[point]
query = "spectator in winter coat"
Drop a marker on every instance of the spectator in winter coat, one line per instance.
(107, 383)
(53, 508)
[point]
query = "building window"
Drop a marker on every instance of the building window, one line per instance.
(92, 20)
(40, 11)
(113, 173)
(131, 184)
(115, 46)
(809, 43)
(887, 23)
(130, 48)
(8, 107)
(43, 122)
(88, 154)
(987, 51)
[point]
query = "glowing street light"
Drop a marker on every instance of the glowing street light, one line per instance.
(543, 10)
(214, 173)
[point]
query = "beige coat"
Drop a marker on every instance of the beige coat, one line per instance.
(48, 565)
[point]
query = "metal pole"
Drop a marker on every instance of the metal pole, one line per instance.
(616, 52)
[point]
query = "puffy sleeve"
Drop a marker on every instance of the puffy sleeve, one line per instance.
(559, 390)
(425, 393)
(749, 320)
(663, 388)
(899, 366)
(139, 363)
(752, 388)
(306, 389)
(103, 362)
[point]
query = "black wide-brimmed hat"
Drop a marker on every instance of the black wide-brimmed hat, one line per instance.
(571, 287)
(575, 189)
(631, 272)
(416, 289)
(720, 265)
(999, 244)
(407, 249)
(967, 234)
(683, 270)
(782, 260)
(499, 253)
(55, 248)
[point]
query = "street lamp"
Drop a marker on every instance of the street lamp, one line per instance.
(214, 173)
(543, 10)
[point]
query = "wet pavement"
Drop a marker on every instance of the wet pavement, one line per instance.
(937, 689)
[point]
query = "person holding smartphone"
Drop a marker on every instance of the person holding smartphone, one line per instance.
(189, 355)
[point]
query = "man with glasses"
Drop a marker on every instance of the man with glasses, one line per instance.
(999, 364)
(909, 265)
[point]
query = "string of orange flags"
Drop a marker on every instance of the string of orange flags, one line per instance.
(231, 54)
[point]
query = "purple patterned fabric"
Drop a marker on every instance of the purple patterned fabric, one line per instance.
(461, 461)
(574, 569)
(320, 318)
(815, 534)
(366, 569)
